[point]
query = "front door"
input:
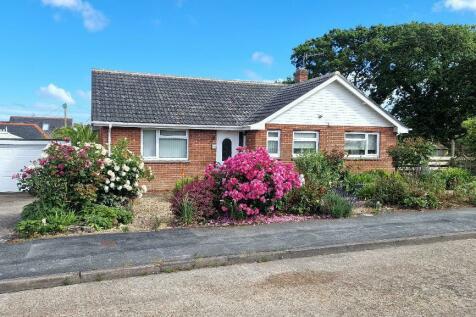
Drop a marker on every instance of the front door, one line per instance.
(227, 142)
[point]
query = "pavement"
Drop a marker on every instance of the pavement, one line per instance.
(10, 210)
(128, 254)
(437, 279)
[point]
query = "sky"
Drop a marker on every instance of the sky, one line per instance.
(48, 47)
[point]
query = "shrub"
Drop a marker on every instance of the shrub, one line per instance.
(41, 219)
(411, 152)
(466, 192)
(362, 184)
(454, 176)
(122, 171)
(321, 169)
(105, 217)
(179, 185)
(304, 200)
(200, 194)
(251, 182)
(390, 189)
(335, 205)
(65, 176)
(72, 177)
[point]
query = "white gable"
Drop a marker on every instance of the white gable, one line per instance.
(332, 105)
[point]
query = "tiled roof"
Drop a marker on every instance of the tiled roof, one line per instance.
(27, 131)
(53, 122)
(158, 99)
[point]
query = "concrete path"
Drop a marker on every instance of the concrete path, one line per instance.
(96, 252)
(11, 206)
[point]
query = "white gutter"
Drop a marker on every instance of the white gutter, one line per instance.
(169, 126)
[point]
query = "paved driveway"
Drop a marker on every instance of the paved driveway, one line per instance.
(10, 209)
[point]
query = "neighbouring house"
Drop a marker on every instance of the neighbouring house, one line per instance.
(181, 124)
(47, 124)
(20, 143)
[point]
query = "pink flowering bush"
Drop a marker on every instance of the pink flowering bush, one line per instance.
(71, 177)
(251, 182)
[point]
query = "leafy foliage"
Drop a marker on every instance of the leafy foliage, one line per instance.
(200, 195)
(453, 176)
(411, 152)
(335, 205)
(251, 182)
(78, 134)
(80, 185)
(423, 72)
(469, 140)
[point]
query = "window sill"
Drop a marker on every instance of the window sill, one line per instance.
(362, 158)
(155, 161)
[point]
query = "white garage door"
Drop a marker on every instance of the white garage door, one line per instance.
(14, 155)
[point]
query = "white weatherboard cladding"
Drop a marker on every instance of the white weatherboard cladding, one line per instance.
(333, 105)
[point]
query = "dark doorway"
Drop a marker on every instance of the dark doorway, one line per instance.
(225, 149)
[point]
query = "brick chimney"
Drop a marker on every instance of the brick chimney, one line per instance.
(301, 75)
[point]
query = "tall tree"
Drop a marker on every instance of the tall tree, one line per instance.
(423, 73)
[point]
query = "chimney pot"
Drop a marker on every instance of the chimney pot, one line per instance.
(301, 75)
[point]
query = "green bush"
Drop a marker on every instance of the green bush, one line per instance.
(41, 219)
(411, 152)
(305, 200)
(321, 169)
(363, 184)
(454, 176)
(105, 217)
(390, 189)
(335, 205)
(466, 192)
(180, 184)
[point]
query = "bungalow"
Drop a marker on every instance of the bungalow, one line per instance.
(181, 124)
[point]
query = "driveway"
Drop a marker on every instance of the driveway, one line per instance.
(426, 280)
(10, 210)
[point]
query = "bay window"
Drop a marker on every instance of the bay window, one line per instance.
(165, 144)
(273, 143)
(305, 142)
(361, 144)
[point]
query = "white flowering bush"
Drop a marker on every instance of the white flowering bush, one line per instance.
(122, 171)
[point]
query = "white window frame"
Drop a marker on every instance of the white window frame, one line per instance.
(270, 138)
(157, 147)
(366, 155)
(316, 139)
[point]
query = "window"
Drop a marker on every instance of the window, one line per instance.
(273, 143)
(45, 126)
(361, 144)
(165, 144)
(305, 142)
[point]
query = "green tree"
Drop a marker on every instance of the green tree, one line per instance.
(77, 134)
(423, 73)
(469, 140)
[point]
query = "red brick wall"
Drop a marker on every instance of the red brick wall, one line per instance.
(200, 154)
(330, 138)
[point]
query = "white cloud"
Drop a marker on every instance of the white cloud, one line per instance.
(457, 5)
(262, 58)
(93, 19)
(55, 92)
